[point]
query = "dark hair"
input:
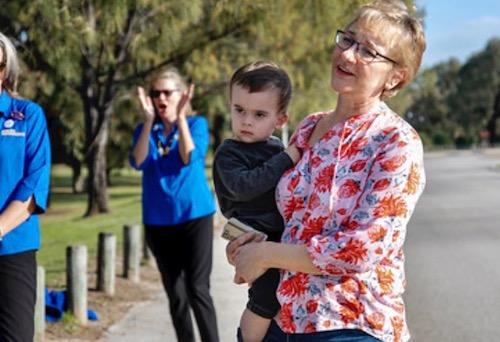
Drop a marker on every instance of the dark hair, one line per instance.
(261, 75)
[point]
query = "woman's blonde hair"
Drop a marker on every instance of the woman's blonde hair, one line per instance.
(173, 74)
(403, 32)
(11, 69)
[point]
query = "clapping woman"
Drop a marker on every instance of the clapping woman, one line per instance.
(169, 147)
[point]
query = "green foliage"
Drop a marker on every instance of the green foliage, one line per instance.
(473, 101)
(207, 40)
(440, 138)
(428, 110)
(295, 34)
(99, 51)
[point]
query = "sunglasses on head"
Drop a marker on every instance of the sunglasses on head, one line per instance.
(167, 92)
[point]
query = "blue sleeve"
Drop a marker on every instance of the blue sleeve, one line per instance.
(131, 159)
(199, 132)
(36, 161)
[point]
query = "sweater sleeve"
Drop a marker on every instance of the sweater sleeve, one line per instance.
(37, 161)
(238, 182)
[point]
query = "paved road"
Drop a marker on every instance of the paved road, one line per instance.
(452, 253)
(453, 250)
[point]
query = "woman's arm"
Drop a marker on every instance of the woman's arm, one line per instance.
(252, 259)
(141, 148)
(16, 213)
(186, 143)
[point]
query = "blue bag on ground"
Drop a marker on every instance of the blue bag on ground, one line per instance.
(56, 304)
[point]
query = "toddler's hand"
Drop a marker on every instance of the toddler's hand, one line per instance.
(294, 153)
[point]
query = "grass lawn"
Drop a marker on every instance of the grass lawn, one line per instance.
(64, 225)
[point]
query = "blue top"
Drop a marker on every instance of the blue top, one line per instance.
(173, 193)
(24, 167)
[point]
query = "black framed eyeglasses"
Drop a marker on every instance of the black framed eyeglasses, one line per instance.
(157, 92)
(365, 53)
(3, 65)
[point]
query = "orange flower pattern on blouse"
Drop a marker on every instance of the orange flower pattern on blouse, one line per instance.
(348, 200)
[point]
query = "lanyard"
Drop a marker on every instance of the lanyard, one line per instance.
(164, 148)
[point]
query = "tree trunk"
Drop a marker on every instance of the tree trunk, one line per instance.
(97, 104)
(97, 200)
(494, 135)
(77, 181)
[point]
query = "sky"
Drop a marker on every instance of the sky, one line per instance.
(458, 28)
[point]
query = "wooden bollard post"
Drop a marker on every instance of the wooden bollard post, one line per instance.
(106, 261)
(40, 305)
(132, 252)
(76, 282)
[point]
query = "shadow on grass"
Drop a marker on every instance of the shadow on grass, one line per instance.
(125, 181)
(64, 197)
(61, 196)
(134, 195)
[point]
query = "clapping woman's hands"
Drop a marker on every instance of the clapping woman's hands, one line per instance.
(148, 109)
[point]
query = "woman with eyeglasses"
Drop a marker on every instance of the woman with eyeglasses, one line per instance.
(169, 147)
(347, 202)
(24, 187)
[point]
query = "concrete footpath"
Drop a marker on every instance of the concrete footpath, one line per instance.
(150, 321)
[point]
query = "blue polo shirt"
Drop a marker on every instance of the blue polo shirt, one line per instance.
(24, 167)
(173, 193)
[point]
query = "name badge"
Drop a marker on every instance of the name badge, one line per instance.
(11, 132)
(9, 123)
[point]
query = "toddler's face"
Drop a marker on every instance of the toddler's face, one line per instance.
(255, 116)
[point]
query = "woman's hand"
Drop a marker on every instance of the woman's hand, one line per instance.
(248, 262)
(233, 246)
(183, 104)
(148, 109)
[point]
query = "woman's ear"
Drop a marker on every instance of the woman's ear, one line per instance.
(397, 76)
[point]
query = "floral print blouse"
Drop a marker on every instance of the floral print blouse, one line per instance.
(348, 200)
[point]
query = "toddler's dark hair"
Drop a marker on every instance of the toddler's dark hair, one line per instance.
(261, 75)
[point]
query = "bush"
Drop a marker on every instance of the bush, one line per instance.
(426, 140)
(463, 142)
(441, 139)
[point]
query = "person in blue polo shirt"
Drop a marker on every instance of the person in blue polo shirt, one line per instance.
(169, 147)
(24, 186)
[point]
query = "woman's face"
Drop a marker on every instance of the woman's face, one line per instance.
(353, 77)
(166, 94)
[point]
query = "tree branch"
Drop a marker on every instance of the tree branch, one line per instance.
(184, 53)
